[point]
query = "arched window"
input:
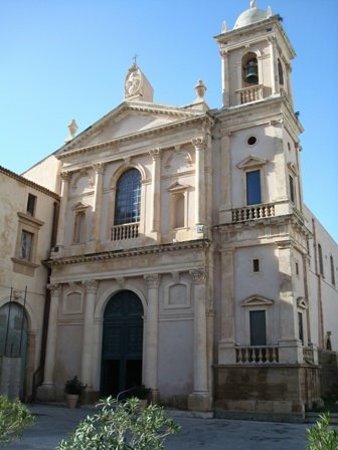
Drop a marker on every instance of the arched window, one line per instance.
(128, 198)
(280, 73)
(250, 68)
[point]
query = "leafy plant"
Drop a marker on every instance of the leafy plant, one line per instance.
(322, 436)
(74, 386)
(122, 426)
(14, 418)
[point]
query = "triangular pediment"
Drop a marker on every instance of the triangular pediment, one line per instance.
(251, 162)
(128, 119)
(79, 207)
(177, 187)
(256, 300)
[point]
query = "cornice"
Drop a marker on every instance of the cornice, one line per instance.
(146, 250)
(137, 136)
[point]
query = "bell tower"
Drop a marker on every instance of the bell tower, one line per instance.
(256, 57)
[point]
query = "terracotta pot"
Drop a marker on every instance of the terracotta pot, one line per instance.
(72, 400)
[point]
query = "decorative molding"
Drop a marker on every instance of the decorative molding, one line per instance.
(79, 207)
(155, 153)
(177, 187)
(55, 288)
(302, 303)
(99, 168)
(251, 162)
(147, 250)
(199, 276)
(91, 286)
(153, 280)
(121, 281)
(293, 168)
(66, 176)
(199, 143)
(256, 300)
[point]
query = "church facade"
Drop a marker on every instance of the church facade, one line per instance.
(185, 259)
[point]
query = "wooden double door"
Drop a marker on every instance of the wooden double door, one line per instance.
(122, 344)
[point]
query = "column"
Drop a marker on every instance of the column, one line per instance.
(200, 399)
(225, 78)
(290, 350)
(226, 346)
(98, 168)
(151, 350)
(156, 189)
(65, 179)
(199, 144)
(87, 346)
(46, 391)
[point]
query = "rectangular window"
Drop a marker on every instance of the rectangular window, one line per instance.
(300, 327)
(292, 189)
(297, 268)
(253, 188)
(31, 202)
(255, 265)
(320, 259)
(26, 245)
(257, 328)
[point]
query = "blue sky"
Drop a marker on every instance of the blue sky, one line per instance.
(68, 59)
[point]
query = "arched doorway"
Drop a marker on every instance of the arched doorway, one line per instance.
(13, 348)
(122, 343)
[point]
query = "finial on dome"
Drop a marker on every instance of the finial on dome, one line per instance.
(224, 27)
(269, 11)
(72, 127)
(253, 4)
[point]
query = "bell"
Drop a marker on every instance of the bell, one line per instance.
(251, 72)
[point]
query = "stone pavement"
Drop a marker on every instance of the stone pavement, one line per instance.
(54, 422)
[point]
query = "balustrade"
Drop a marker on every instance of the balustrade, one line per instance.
(250, 94)
(257, 355)
(127, 231)
(253, 212)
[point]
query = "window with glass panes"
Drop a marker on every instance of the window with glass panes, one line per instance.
(128, 198)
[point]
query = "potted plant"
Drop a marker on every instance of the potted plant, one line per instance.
(73, 389)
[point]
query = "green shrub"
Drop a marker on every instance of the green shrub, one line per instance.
(122, 426)
(14, 418)
(322, 436)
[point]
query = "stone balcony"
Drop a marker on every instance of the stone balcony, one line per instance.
(252, 212)
(249, 94)
(257, 354)
(126, 231)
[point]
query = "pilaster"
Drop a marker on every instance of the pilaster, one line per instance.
(65, 180)
(46, 391)
(199, 145)
(200, 399)
(156, 190)
(87, 347)
(225, 78)
(99, 170)
(151, 350)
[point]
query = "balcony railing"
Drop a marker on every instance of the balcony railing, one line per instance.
(253, 212)
(257, 355)
(127, 231)
(250, 94)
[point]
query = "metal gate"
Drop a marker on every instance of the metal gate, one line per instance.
(122, 343)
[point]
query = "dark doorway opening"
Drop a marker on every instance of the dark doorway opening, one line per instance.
(122, 343)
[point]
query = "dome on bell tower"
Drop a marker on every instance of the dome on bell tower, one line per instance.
(252, 15)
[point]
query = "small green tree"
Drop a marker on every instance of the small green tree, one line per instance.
(122, 426)
(14, 418)
(322, 436)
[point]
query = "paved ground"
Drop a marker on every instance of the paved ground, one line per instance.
(54, 422)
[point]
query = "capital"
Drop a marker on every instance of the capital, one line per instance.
(199, 276)
(54, 288)
(98, 168)
(153, 280)
(199, 143)
(91, 286)
(155, 153)
(65, 176)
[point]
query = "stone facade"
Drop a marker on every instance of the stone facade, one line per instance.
(26, 233)
(182, 255)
